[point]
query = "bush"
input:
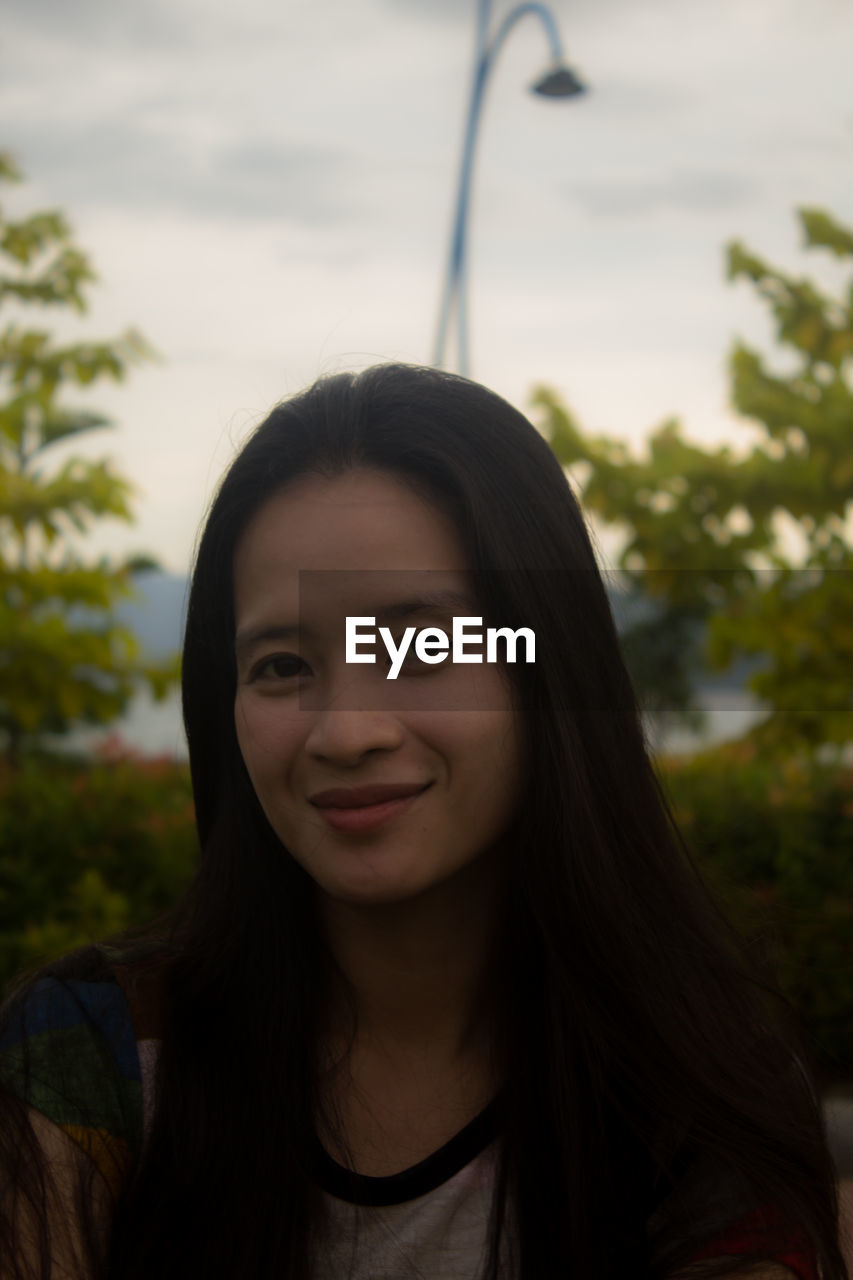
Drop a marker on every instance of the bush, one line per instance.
(88, 849)
(776, 843)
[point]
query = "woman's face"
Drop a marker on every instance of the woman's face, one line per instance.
(308, 722)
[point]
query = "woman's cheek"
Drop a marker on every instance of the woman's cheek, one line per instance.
(264, 730)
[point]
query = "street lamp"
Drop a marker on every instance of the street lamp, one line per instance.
(558, 82)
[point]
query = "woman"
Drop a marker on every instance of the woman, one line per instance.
(447, 996)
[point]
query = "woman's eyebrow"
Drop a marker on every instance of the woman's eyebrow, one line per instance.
(246, 640)
(428, 602)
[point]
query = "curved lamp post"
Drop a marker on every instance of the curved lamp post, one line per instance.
(559, 82)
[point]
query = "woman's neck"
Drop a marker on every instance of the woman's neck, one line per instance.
(420, 972)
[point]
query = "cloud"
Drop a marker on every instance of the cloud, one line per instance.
(98, 23)
(564, 10)
(120, 162)
(692, 191)
(440, 9)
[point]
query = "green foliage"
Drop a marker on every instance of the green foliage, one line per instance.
(88, 850)
(774, 841)
(702, 525)
(63, 657)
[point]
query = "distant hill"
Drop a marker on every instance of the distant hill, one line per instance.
(157, 618)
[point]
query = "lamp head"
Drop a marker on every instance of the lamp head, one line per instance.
(560, 82)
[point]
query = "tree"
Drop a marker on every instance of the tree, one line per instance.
(64, 657)
(703, 530)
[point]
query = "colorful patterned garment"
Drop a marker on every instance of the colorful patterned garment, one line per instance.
(82, 1068)
(92, 1046)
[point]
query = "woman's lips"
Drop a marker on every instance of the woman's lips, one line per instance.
(367, 817)
(357, 797)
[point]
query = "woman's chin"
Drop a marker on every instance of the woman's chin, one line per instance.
(371, 891)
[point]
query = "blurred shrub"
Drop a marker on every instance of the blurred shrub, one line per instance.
(87, 850)
(775, 840)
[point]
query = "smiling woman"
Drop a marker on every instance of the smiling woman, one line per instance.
(447, 996)
(458, 769)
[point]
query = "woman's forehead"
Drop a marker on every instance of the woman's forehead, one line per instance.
(362, 519)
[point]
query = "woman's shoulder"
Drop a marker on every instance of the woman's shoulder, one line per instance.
(141, 971)
(114, 992)
(70, 1039)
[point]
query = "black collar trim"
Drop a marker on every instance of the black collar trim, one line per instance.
(396, 1188)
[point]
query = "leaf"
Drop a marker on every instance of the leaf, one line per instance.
(64, 658)
(698, 523)
(823, 231)
(9, 170)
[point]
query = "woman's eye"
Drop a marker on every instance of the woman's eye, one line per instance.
(412, 664)
(281, 666)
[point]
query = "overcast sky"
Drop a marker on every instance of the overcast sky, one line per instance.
(266, 188)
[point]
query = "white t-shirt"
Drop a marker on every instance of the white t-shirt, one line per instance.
(430, 1222)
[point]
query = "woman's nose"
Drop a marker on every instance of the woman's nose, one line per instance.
(344, 736)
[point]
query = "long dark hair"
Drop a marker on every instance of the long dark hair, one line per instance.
(653, 1094)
